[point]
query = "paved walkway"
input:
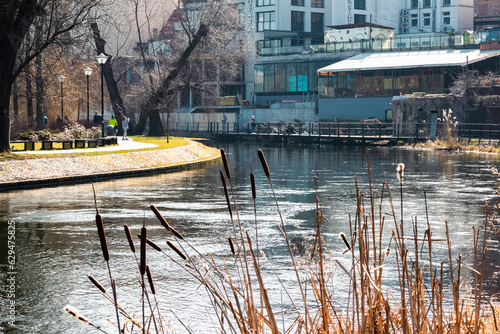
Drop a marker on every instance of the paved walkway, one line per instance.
(45, 171)
(123, 145)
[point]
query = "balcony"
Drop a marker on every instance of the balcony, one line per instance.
(381, 45)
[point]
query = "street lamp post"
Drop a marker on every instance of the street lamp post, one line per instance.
(61, 80)
(101, 59)
(88, 72)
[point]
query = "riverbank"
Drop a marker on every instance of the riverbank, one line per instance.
(60, 169)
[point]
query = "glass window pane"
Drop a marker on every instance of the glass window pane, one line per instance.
(280, 78)
(259, 78)
(268, 78)
(302, 77)
(291, 78)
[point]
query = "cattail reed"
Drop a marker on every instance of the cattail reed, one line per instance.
(226, 193)
(344, 239)
(102, 237)
(129, 238)
(150, 280)
(163, 221)
(224, 162)
(97, 284)
(143, 250)
(263, 161)
(400, 169)
(73, 311)
(171, 245)
(151, 243)
(231, 244)
(252, 182)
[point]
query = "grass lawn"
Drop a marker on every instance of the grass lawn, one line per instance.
(160, 141)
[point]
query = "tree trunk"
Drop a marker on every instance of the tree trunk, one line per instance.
(29, 90)
(39, 84)
(150, 107)
(114, 94)
(12, 32)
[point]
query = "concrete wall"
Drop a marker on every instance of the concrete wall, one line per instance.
(353, 108)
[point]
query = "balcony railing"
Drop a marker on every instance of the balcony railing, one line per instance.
(400, 43)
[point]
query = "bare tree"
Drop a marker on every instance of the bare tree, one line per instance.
(63, 18)
(207, 44)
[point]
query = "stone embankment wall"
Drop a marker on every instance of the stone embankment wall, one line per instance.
(477, 105)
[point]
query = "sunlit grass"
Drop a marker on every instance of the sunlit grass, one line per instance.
(161, 142)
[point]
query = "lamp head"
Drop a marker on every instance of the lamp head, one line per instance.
(87, 71)
(102, 58)
(61, 78)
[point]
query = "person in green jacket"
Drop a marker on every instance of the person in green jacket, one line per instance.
(113, 122)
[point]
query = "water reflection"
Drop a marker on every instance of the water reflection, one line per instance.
(57, 245)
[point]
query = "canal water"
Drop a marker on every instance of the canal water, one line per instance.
(57, 246)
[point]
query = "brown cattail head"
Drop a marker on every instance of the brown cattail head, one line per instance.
(264, 163)
(129, 238)
(226, 193)
(150, 243)
(163, 221)
(143, 250)
(224, 162)
(171, 245)
(387, 252)
(150, 280)
(97, 284)
(252, 182)
(400, 169)
(342, 235)
(231, 244)
(102, 237)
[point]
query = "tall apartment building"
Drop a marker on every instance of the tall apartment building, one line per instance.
(289, 36)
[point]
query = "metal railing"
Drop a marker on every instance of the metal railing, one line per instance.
(400, 43)
(403, 131)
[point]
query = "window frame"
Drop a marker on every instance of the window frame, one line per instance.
(426, 17)
(360, 4)
(359, 16)
(264, 3)
(318, 3)
(414, 4)
(315, 24)
(270, 23)
(446, 3)
(300, 3)
(446, 15)
(295, 27)
(426, 3)
(414, 20)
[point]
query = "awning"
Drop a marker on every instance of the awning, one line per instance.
(409, 59)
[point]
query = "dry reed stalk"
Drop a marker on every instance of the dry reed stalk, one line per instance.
(164, 222)
(265, 167)
(151, 243)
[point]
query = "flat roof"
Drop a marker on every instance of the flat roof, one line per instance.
(409, 59)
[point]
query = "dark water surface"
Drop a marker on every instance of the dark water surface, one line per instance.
(57, 244)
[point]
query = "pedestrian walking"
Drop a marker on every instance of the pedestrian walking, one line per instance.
(125, 127)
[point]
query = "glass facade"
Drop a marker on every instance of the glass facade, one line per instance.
(382, 83)
(297, 21)
(287, 77)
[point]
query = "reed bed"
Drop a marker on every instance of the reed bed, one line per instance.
(425, 300)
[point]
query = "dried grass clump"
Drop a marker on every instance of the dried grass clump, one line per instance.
(419, 303)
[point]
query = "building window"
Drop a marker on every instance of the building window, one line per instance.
(317, 3)
(265, 21)
(414, 20)
(427, 3)
(317, 22)
(297, 2)
(358, 18)
(414, 3)
(261, 3)
(359, 4)
(297, 21)
(427, 19)
(446, 2)
(446, 18)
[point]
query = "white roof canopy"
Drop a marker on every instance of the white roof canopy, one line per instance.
(409, 59)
